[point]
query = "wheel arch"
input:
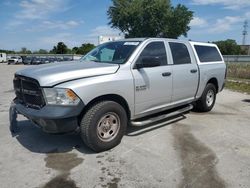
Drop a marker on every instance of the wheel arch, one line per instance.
(112, 97)
(214, 81)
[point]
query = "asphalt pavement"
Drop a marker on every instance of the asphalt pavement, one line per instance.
(195, 150)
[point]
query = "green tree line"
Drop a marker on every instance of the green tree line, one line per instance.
(230, 47)
(60, 48)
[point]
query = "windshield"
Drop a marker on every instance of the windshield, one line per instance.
(112, 52)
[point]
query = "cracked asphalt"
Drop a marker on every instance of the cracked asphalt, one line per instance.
(196, 150)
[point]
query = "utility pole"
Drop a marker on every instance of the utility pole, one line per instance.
(244, 33)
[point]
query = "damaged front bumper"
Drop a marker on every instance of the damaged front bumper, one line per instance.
(51, 118)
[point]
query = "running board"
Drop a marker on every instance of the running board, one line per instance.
(162, 117)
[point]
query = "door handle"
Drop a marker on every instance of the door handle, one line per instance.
(165, 74)
(193, 70)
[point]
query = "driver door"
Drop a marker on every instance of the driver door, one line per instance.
(153, 84)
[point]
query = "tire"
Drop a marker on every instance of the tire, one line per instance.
(207, 100)
(103, 125)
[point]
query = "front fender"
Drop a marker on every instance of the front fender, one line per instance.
(90, 88)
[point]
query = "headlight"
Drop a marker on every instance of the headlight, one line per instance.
(60, 96)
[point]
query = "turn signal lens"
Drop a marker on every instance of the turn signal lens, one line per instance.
(71, 95)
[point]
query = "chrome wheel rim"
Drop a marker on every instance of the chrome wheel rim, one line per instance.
(108, 127)
(210, 98)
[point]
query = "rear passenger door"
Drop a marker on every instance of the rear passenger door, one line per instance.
(185, 73)
(153, 85)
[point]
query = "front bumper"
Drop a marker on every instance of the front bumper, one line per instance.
(51, 118)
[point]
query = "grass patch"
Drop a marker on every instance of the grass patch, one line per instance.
(238, 86)
(238, 77)
(238, 70)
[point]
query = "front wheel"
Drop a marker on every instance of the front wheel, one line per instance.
(103, 125)
(207, 100)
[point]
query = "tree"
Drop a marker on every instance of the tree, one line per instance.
(41, 51)
(69, 51)
(61, 48)
(24, 50)
(83, 49)
(229, 47)
(53, 51)
(75, 50)
(149, 18)
(7, 51)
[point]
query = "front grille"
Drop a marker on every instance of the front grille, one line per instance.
(28, 92)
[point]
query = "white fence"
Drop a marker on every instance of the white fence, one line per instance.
(227, 58)
(71, 56)
(237, 58)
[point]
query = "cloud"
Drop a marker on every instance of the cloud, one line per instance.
(247, 15)
(13, 24)
(72, 40)
(7, 3)
(103, 30)
(68, 38)
(198, 22)
(32, 15)
(43, 25)
(225, 24)
(38, 9)
(58, 25)
(54, 39)
(228, 4)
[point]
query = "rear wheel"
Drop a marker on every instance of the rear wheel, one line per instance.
(103, 125)
(207, 100)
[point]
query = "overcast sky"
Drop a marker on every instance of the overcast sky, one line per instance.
(40, 24)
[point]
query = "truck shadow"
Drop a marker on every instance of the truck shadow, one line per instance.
(35, 140)
(246, 100)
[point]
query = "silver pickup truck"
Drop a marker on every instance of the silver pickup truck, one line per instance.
(127, 82)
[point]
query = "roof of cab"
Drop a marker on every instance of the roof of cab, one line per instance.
(202, 43)
(150, 38)
(132, 39)
(170, 39)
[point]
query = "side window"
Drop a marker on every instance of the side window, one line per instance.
(207, 53)
(180, 53)
(154, 50)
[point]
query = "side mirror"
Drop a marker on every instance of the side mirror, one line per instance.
(147, 62)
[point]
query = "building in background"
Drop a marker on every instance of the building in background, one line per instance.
(3, 57)
(103, 39)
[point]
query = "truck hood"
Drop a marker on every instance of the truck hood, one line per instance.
(55, 73)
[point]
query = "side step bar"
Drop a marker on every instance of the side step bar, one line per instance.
(162, 117)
